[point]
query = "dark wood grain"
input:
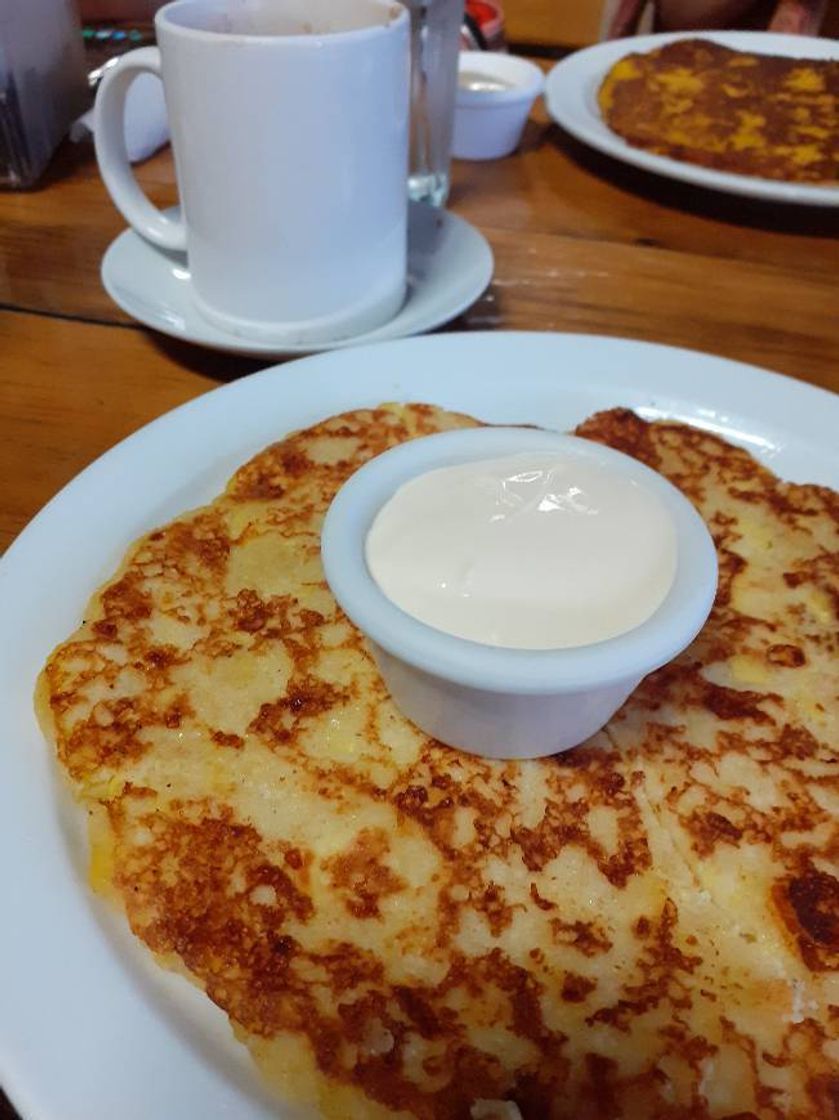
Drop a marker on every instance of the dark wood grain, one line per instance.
(53, 239)
(68, 392)
(70, 389)
(563, 283)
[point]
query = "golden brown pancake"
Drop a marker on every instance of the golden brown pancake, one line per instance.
(753, 114)
(644, 927)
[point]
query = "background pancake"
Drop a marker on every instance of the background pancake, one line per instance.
(645, 926)
(754, 114)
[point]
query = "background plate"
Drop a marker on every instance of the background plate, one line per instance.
(571, 97)
(89, 1028)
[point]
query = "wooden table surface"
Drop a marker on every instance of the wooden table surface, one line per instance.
(581, 244)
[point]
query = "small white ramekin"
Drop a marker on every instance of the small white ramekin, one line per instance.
(488, 123)
(497, 702)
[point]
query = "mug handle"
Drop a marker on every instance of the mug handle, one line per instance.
(112, 156)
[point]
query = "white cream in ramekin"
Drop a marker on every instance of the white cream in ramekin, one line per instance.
(490, 115)
(492, 700)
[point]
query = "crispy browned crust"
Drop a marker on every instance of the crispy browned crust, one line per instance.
(753, 114)
(645, 927)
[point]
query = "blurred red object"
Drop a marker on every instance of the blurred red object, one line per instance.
(485, 21)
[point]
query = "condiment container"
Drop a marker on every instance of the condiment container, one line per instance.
(502, 702)
(494, 97)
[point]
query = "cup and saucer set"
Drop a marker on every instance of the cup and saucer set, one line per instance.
(290, 127)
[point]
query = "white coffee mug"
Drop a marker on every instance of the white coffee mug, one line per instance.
(289, 123)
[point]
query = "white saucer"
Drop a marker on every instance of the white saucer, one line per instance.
(449, 266)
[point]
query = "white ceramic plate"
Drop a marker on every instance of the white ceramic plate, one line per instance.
(89, 1028)
(571, 97)
(449, 265)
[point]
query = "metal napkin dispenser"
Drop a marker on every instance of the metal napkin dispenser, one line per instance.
(43, 84)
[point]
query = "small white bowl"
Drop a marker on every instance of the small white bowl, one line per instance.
(488, 123)
(492, 701)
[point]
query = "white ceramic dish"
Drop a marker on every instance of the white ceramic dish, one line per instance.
(571, 97)
(508, 703)
(488, 124)
(449, 266)
(89, 1028)
(294, 204)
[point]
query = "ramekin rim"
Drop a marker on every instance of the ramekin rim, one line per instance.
(639, 651)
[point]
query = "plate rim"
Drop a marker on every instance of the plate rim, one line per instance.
(822, 398)
(288, 381)
(569, 105)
